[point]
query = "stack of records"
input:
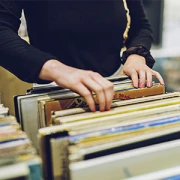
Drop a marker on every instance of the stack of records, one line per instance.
(136, 137)
(33, 110)
(18, 158)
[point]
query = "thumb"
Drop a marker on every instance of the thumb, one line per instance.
(121, 73)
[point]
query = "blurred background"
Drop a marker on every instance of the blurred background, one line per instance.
(164, 16)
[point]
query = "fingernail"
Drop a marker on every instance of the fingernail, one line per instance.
(93, 109)
(102, 110)
(149, 84)
(141, 85)
(107, 108)
(136, 85)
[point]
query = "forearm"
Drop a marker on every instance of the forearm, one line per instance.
(140, 33)
(16, 55)
(52, 70)
(19, 57)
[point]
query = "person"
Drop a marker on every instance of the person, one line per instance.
(77, 43)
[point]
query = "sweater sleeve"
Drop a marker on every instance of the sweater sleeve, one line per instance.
(140, 33)
(16, 55)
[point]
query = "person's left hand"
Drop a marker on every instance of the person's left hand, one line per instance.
(140, 73)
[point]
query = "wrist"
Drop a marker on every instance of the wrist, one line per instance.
(141, 51)
(132, 57)
(49, 69)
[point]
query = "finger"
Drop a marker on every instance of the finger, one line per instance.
(142, 78)
(121, 73)
(108, 88)
(86, 93)
(158, 76)
(99, 91)
(134, 76)
(149, 78)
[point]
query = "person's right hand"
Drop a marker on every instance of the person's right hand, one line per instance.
(80, 81)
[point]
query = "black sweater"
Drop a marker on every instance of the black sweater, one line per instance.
(86, 34)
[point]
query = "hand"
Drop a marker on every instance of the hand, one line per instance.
(81, 81)
(136, 68)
